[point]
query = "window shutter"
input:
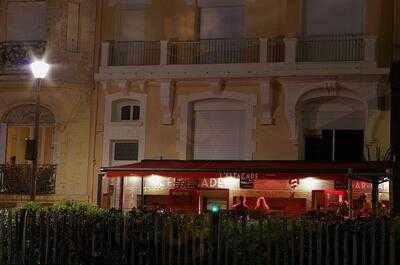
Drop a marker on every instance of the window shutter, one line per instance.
(222, 22)
(321, 16)
(133, 25)
(26, 20)
(3, 142)
(218, 135)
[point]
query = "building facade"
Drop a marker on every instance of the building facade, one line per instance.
(243, 80)
(62, 32)
(195, 80)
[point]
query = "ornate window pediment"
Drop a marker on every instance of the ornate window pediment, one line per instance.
(24, 114)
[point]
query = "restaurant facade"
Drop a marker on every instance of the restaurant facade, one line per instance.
(287, 187)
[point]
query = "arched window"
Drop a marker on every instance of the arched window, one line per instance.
(333, 128)
(125, 110)
(18, 127)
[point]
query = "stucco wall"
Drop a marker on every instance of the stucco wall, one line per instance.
(69, 105)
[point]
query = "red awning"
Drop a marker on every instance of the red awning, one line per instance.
(263, 169)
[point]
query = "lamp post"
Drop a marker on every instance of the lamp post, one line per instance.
(39, 70)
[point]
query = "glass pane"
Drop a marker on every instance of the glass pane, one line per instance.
(136, 113)
(126, 151)
(125, 113)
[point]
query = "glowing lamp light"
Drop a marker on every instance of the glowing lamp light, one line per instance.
(154, 181)
(309, 183)
(40, 69)
(230, 182)
(384, 187)
(215, 208)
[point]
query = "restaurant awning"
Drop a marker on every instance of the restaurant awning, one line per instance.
(264, 169)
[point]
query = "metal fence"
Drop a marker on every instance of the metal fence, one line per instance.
(15, 55)
(16, 179)
(330, 48)
(123, 53)
(74, 237)
(214, 51)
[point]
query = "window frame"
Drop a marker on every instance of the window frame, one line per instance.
(117, 106)
(113, 151)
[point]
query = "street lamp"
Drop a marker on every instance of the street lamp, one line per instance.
(39, 70)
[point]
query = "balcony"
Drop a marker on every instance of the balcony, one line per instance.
(236, 57)
(16, 179)
(330, 48)
(15, 56)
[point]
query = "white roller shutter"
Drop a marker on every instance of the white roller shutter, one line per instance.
(218, 134)
(3, 142)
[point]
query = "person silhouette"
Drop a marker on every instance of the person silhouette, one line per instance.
(241, 208)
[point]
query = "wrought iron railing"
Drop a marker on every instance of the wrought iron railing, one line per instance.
(184, 52)
(124, 53)
(16, 179)
(214, 51)
(17, 55)
(330, 48)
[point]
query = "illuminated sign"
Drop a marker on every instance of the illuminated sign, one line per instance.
(219, 183)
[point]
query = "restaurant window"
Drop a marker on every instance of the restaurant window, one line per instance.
(335, 145)
(125, 150)
(125, 110)
(321, 16)
(26, 20)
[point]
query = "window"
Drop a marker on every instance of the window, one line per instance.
(26, 20)
(125, 110)
(222, 22)
(333, 16)
(132, 25)
(125, 113)
(17, 127)
(126, 151)
(218, 131)
(337, 145)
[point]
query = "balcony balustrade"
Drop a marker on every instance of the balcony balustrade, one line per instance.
(214, 51)
(16, 179)
(330, 48)
(316, 49)
(15, 56)
(135, 53)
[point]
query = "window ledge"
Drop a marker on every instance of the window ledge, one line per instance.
(138, 123)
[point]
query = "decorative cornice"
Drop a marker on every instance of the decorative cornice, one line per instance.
(300, 74)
